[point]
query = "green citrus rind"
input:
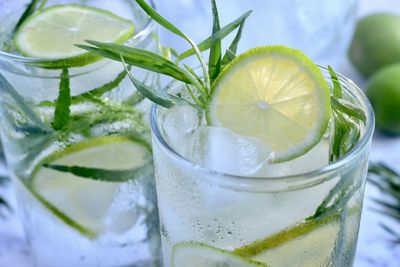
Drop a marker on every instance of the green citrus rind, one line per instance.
(79, 60)
(208, 254)
(82, 229)
(305, 64)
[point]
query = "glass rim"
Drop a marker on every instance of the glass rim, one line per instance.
(146, 31)
(308, 175)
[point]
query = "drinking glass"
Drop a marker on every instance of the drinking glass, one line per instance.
(304, 212)
(85, 190)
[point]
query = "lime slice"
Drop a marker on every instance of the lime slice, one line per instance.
(275, 94)
(196, 254)
(52, 33)
(84, 203)
(311, 243)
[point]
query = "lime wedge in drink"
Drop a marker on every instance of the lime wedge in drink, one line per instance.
(196, 254)
(84, 202)
(51, 34)
(275, 94)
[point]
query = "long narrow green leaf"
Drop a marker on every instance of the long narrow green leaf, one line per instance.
(30, 9)
(346, 121)
(169, 26)
(157, 96)
(194, 74)
(138, 57)
(218, 36)
(214, 60)
(230, 53)
(160, 97)
(63, 103)
(102, 174)
(348, 108)
(337, 89)
(99, 91)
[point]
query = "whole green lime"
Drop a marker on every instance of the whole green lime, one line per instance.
(376, 43)
(383, 91)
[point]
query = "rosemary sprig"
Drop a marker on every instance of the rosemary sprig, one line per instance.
(387, 181)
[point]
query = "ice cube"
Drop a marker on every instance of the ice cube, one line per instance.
(314, 159)
(224, 151)
(179, 123)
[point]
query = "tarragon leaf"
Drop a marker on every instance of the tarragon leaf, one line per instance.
(169, 26)
(346, 121)
(214, 60)
(230, 53)
(99, 91)
(218, 36)
(349, 109)
(337, 89)
(157, 96)
(63, 103)
(102, 174)
(140, 58)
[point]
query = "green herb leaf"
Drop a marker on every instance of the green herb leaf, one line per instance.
(30, 9)
(346, 121)
(157, 96)
(102, 174)
(387, 181)
(63, 103)
(214, 61)
(99, 91)
(140, 58)
(166, 24)
(218, 36)
(228, 57)
(230, 53)
(337, 89)
(349, 109)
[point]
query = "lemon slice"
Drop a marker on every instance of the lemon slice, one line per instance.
(275, 94)
(52, 33)
(80, 202)
(194, 254)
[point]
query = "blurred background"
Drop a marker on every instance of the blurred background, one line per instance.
(346, 34)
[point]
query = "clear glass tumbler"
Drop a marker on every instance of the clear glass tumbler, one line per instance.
(86, 190)
(307, 218)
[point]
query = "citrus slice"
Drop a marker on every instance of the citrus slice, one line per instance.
(84, 203)
(53, 32)
(311, 243)
(275, 94)
(194, 254)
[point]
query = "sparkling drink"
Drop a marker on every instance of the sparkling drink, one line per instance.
(83, 174)
(221, 200)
